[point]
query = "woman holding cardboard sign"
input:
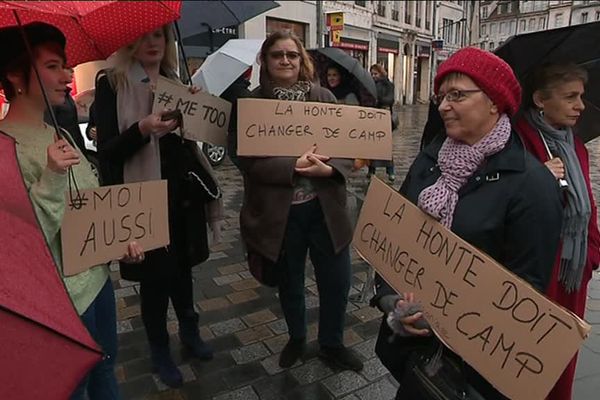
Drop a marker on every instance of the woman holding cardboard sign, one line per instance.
(45, 160)
(136, 145)
(481, 183)
(554, 106)
(297, 205)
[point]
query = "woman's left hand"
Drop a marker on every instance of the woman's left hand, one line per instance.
(317, 169)
(134, 255)
(194, 89)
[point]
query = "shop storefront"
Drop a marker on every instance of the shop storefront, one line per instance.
(358, 49)
(422, 71)
(387, 55)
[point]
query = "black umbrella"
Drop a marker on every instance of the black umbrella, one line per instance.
(573, 44)
(349, 63)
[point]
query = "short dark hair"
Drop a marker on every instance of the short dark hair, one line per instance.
(16, 59)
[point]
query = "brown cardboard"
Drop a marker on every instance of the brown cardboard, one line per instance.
(205, 117)
(290, 128)
(464, 294)
(108, 219)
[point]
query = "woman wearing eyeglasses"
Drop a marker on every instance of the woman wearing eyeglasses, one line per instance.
(481, 183)
(297, 205)
(554, 106)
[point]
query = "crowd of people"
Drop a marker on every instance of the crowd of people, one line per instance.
(491, 176)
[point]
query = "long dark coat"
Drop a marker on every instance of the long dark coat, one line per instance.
(510, 208)
(187, 219)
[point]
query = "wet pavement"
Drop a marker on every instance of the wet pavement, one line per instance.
(244, 323)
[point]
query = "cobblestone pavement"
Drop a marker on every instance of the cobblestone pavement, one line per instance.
(243, 321)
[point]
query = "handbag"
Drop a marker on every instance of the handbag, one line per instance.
(433, 374)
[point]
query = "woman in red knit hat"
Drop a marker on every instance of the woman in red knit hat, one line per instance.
(481, 183)
(553, 106)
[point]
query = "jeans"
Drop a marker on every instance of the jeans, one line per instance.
(100, 319)
(307, 232)
(389, 169)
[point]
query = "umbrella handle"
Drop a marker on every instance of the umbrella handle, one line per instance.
(562, 183)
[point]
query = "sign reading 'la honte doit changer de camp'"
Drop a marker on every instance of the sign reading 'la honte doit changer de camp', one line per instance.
(290, 128)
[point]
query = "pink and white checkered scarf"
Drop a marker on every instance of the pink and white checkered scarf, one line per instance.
(457, 162)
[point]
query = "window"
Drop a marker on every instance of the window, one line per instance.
(381, 8)
(418, 14)
(457, 33)
(584, 17)
(447, 30)
(361, 3)
(597, 15)
(502, 27)
(541, 24)
(484, 12)
(395, 11)
(513, 27)
(491, 46)
(532, 24)
(523, 27)
(558, 20)
(492, 29)
(428, 9)
(408, 12)
(483, 30)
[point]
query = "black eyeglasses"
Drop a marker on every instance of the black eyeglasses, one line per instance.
(279, 54)
(453, 96)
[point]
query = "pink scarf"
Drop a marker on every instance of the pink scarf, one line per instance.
(458, 161)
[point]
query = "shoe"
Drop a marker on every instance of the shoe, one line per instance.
(292, 352)
(392, 178)
(163, 365)
(341, 357)
(190, 337)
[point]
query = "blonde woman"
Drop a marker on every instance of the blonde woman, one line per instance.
(136, 145)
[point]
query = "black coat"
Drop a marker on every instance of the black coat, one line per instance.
(187, 220)
(510, 208)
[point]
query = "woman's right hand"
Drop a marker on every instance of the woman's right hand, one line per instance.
(61, 155)
(155, 126)
(304, 162)
(557, 167)
(411, 322)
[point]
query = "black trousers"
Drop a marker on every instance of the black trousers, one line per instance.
(155, 295)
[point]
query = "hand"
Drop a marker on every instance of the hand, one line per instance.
(557, 167)
(414, 323)
(61, 155)
(92, 133)
(216, 228)
(194, 89)
(304, 162)
(317, 168)
(153, 125)
(134, 255)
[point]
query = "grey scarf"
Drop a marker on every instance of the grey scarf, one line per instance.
(577, 209)
(134, 102)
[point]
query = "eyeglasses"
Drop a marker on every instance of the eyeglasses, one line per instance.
(279, 54)
(453, 96)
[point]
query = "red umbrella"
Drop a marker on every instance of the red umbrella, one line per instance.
(94, 29)
(45, 350)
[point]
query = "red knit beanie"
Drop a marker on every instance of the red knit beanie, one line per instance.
(492, 74)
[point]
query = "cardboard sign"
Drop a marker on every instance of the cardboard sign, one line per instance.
(511, 334)
(205, 117)
(290, 128)
(98, 227)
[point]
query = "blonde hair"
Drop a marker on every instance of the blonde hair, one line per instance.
(124, 59)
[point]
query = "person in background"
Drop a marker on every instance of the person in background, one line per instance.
(482, 184)
(297, 205)
(45, 159)
(237, 90)
(338, 84)
(553, 105)
(136, 145)
(385, 100)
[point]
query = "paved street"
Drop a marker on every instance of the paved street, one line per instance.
(244, 323)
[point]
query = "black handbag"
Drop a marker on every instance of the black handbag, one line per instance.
(434, 374)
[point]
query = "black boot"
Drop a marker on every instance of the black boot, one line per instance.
(293, 350)
(190, 337)
(163, 364)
